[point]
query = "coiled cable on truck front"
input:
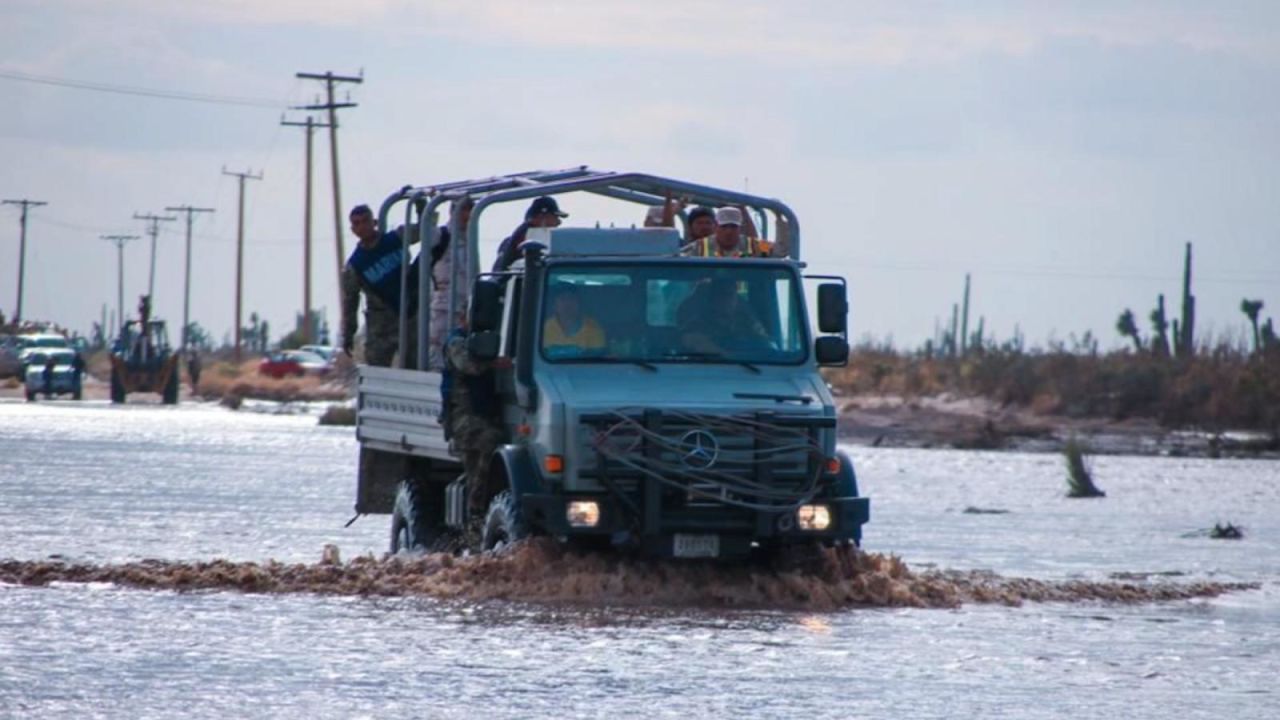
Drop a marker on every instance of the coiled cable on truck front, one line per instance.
(622, 440)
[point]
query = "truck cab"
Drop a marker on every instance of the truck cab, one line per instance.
(648, 400)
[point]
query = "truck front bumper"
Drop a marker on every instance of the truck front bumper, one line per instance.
(628, 523)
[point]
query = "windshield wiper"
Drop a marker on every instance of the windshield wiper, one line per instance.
(627, 361)
(713, 356)
(803, 399)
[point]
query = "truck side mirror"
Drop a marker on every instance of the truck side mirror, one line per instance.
(483, 345)
(833, 308)
(486, 305)
(831, 350)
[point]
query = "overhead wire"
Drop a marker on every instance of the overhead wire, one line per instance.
(6, 74)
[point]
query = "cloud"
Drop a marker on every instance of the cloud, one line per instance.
(834, 32)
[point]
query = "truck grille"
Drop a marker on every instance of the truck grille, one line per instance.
(763, 460)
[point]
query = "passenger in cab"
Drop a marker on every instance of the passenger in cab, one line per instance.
(543, 212)
(702, 225)
(568, 331)
(715, 320)
(728, 240)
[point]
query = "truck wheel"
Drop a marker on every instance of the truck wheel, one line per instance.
(504, 523)
(31, 397)
(417, 519)
(117, 389)
(171, 388)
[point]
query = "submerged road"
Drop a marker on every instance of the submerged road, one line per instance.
(96, 484)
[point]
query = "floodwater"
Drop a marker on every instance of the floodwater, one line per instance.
(102, 485)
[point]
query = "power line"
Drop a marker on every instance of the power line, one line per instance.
(330, 80)
(186, 293)
(22, 247)
(119, 241)
(241, 176)
(153, 231)
(140, 91)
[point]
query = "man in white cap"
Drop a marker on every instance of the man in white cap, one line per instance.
(728, 240)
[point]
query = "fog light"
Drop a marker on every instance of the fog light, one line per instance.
(583, 513)
(813, 517)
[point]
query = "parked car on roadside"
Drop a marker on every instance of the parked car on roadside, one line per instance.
(293, 363)
(64, 378)
(43, 340)
(328, 352)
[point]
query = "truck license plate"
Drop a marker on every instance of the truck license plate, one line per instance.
(696, 546)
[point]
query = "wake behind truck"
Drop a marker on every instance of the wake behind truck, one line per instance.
(696, 426)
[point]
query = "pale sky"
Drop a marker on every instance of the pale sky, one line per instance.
(1062, 153)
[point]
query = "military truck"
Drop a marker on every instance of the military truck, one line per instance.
(655, 439)
(142, 360)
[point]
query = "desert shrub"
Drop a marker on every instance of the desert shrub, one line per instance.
(1221, 386)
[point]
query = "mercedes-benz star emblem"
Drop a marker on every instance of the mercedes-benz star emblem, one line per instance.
(700, 449)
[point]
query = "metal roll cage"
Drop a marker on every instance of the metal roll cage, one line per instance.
(640, 188)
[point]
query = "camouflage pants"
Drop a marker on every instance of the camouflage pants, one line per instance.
(476, 439)
(383, 338)
(439, 331)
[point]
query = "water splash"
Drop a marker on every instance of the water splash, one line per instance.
(542, 571)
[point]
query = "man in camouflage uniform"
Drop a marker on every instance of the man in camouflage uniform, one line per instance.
(374, 269)
(473, 420)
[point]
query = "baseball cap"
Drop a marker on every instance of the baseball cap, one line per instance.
(544, 204)
(728, 216)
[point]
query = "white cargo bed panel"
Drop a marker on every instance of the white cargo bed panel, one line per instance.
(399, 410)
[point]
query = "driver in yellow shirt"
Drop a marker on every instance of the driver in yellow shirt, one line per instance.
(567, 328)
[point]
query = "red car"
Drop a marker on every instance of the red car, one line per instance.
(292, 363)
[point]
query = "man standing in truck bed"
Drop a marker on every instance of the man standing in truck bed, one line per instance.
(374, 268)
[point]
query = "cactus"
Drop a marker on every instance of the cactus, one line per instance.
(1159, 329)
(1127, 327)
(1185, 340)
(1251, 308)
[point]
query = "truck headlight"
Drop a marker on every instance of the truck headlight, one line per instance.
(813, 517)
(583, 513)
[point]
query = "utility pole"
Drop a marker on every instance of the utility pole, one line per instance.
(153, 231)
(22, 248)
(310, 126)
(247, 175)
(186, 292)
(119, 241)
(329, 81)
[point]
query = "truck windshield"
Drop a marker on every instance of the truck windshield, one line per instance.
(673, 313)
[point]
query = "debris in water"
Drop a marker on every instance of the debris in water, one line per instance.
(330, 555)
(971, 510)
(338, 415)
(1226, 532)
(542, 571)
(1079, 477)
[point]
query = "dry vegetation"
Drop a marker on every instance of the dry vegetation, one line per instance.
(1217, 389)
(230, 383)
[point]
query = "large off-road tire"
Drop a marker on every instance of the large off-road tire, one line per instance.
(504, 523)
(171, 387)
(117, 389)
(78, 393)
(31, 397)
(417, 519)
